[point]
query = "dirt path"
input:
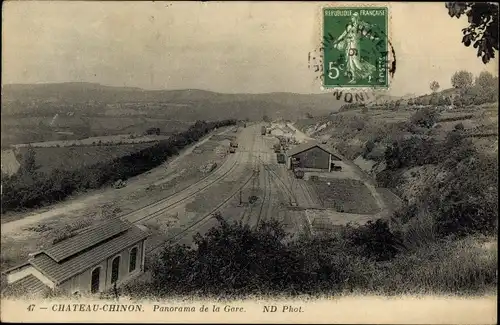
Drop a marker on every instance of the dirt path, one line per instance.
(96, 198)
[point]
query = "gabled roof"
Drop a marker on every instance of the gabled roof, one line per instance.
(61, 271)
(86, 239)
(30, 284)
(77, 254)
(308, 145)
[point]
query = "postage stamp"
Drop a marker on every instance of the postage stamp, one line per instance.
(355, 47)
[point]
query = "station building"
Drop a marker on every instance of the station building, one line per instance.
(112, 252)
(312, 156)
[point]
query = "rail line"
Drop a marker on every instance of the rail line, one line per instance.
(308, 195)
(247, 212)
(186, 197)
(305, 224)
(199, 221)
(184, 189)
(187, 188)
(181, 234)
(289, 192)
(266, 197)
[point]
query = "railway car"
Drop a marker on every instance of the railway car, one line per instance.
(281, 158)
(299, 174)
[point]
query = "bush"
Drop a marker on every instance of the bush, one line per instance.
(459, 127)
(425, 117)
(375, 240)
(411, 152)
(466, 201)
(31, 189)
(233, 261)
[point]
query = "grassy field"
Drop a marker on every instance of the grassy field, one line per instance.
(23, 129)
(346, 195)
(71, 158)
(92, 141)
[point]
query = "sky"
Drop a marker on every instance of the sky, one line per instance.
(228, 47)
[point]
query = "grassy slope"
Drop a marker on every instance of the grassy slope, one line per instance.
(453, 266)
(71, 158)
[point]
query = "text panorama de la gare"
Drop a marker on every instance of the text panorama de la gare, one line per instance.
(348, 12)
(163, 308)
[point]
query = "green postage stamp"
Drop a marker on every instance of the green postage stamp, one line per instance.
(355, 47)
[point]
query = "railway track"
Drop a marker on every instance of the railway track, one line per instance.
(206, 217)
(247, 212)
(308, 194)
(182, 198)
(187, 188)
(266, 199)
(180, 235)
(305, 224)
(281, 184)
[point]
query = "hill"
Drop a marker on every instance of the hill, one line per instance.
(83, 93)
(76, 110)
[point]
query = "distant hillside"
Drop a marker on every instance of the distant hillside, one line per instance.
(198, 104)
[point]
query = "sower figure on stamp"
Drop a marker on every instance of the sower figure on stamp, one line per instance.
(356, 67)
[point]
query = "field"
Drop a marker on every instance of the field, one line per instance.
(28, 129)
(346, 195)
(71, 158)
(109, 139)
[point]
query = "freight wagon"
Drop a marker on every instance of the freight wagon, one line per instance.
(299, 174)
(281, 158)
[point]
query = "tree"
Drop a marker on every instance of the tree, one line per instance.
(266, 118)
(482, 31)
(434, 86)
(487, 87)
(28, 163)
(461, 79)
(485, 80)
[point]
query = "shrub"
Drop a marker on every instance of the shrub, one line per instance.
(375, 240)
(30, 188)
(425, 117)
(414, 151)
(232, 261)
(459, 126)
